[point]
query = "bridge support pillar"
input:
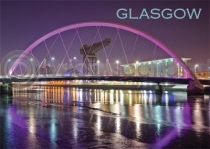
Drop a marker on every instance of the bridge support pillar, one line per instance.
(195, 88)
(6, 89)
(158, 89)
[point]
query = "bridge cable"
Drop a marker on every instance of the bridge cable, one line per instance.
(155, 59)
(123, 47)
(83, 48)
(47, 53)
(70, 47)
(133, 48)
(154, 51)
(111, 51)
(112, 45)
(92, 44)
(98, 29)
(65, 55)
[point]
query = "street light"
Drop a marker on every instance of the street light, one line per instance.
(9, 60)
(137, 63)
(52, 59)
(73, 62)
(209, 73)
(196, 67)
(117, 62)
(98, 66)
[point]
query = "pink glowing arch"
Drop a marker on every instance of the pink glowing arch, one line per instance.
(112, 25)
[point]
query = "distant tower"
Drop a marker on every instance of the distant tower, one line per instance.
(90, 57)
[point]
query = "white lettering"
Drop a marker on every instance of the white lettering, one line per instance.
(193, 12)
(155, 11)
(179, 9)
(169, 15)
(123, 15)
(144, 14)
(130, 15)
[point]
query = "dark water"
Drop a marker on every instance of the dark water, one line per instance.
(59, 117)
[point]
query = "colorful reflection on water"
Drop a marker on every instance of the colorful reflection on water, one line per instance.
(157, 121)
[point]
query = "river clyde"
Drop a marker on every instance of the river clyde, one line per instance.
(68, 117)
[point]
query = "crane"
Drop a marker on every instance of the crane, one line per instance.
(90, 57)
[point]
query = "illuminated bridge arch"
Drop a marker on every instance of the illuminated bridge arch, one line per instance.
(111, 25)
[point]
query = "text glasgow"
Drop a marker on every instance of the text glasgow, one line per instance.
(156, 13)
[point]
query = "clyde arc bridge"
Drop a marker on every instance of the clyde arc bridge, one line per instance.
(92, 49)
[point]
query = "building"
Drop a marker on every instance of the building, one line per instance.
(156, 68)
(44, 70)
(203, 75)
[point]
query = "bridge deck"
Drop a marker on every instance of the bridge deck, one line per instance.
(105, 78)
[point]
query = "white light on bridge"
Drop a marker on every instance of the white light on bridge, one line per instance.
(117, 66)
(196, 67)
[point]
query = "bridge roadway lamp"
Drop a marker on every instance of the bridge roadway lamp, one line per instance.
(137, 63)
(196, 67)
(52, 59)
(136, 67)
(117, 62)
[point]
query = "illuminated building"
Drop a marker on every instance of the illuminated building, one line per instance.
(203, 75)
(161, 67)
(45, 70)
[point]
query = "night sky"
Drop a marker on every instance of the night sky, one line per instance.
(23, 22)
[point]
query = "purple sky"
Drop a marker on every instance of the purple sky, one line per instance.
(24, 22)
